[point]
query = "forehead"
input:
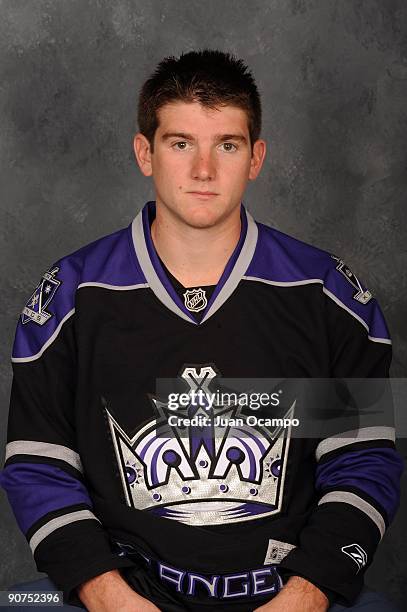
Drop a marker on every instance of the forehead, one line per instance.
(193, 117)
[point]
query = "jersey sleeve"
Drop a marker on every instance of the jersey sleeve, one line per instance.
(43, 474)
(357, 478)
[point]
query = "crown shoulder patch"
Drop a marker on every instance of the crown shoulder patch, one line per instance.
(363, 296)
(35, 309)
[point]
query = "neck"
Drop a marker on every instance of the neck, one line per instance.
(195, 256)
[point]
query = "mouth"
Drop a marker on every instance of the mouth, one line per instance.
(204, 195)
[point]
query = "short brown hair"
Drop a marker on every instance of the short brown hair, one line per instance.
(212, 78)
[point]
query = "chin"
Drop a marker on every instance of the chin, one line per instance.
(201, 219)
(204, 214)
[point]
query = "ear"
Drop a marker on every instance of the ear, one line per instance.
(256, 162)
(142, 152)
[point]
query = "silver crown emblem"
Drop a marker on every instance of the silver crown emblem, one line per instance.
(203, 474)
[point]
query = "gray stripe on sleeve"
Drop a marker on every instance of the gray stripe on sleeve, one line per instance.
(115, 287)
(345, 438)
(44, 449)
(307, 281)
(58, 522)
(48, 342)
(355, 316)
(356, 501)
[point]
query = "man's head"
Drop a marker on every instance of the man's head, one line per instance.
(210, 77)
(200, 120)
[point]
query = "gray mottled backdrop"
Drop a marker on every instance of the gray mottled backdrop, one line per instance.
(333, 75)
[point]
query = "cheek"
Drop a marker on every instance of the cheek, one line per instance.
(239, 174)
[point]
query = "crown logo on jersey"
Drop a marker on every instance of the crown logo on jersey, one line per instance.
(202, 474)
(35, 309)
(195, 299)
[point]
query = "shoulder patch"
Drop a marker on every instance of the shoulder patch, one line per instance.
(362, 295)
(44, 293)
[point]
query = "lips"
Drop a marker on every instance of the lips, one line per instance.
(203, 194)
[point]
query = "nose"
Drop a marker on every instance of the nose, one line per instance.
(204, 167)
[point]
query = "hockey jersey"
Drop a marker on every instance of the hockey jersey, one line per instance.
(196, 517)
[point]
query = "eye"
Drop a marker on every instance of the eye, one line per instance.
(229, 146)
(181, 145)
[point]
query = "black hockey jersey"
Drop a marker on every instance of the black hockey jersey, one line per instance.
(197, 517)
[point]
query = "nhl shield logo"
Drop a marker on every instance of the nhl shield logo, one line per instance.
(35, 309)
(195, 299)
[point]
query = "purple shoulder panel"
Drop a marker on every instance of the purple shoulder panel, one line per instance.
(111, 260)
(342, 284)
(374, 471)
(283, 259)
(34, 489)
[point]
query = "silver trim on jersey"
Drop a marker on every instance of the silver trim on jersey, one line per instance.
(307, 281)
(365, 325)
(44, 449)
(115, 287)
(382, 340)
(356, 501)
(47, 343)
(240, 267)
(56, 523)
(364, 434)
(327, 292)
(148, 269)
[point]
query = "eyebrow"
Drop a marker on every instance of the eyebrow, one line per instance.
(216, 138)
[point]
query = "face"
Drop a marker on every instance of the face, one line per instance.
(201, 163)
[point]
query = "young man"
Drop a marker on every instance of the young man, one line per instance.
(125, 509)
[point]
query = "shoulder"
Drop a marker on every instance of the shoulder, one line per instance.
(282, 260)
(280, 257)
(109, 262)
